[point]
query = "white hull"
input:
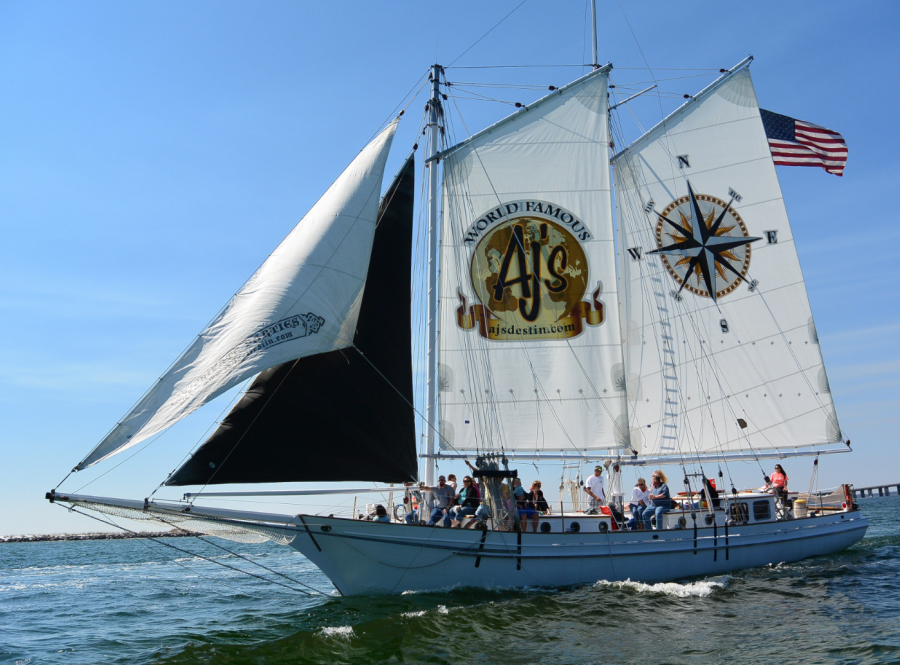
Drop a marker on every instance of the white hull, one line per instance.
(374, 558)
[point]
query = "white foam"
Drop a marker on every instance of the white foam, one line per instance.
(340, 632)
(442, 609)
(699, 589)
(414, 614)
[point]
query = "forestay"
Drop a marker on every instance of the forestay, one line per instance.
(303, 300)
(530, 354)
(729, 361)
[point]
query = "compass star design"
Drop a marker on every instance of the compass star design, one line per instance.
(704, 245)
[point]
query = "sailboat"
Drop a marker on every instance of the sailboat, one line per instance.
(675, 330)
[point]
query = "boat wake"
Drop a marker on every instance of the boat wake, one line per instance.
(700, 589)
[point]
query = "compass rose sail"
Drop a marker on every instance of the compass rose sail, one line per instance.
(720, 347)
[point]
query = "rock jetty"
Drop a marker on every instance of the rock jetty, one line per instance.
(96, 536)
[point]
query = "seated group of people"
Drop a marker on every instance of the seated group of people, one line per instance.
(652, 502)
(450, 507)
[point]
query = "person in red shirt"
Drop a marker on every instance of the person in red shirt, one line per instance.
(779, 481)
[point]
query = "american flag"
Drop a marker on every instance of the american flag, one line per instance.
(797, 143)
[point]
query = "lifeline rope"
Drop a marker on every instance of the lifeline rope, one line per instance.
(72, 509)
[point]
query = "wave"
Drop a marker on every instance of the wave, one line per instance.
(700, 589)
(339, 632)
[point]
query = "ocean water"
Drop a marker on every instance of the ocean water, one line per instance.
(136, 602)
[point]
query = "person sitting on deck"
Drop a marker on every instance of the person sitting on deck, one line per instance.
(640, 497)
(594, 487)
(525, 505)
(468, 500)
(713, 493)
(779, 482)
(381, 514)
(660, 500)
(443, 499)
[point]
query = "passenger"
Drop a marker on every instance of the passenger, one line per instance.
(468, 500)
(640, 497)
(594, 487)
(537, 498)
(451, 481)
(779, 482)
(509, 507)
(443, 499)
(526, 507)
(660, 500)
(712, 492)
(381, 514)
(413, 501)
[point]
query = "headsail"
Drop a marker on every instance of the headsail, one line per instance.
(303, 300)
(343, 415)
(530, 355)
(721, 352)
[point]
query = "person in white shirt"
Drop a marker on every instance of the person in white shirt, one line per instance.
(640, 498)
(594, 487)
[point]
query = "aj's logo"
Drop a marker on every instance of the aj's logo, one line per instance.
(530, 273)
(704, 244)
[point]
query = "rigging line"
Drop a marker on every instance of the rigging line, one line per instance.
(142, 448)
(240, 393)
(515, 9)
(184, 551)
(143, 541)
(423, 80)
(249, 427)
(410, 404)
(242, 557)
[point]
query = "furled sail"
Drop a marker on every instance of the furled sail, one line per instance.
(303, 300)
(721, 352)
(342, 415)
(530, 356)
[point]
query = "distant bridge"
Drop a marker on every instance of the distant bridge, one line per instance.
(883, 490)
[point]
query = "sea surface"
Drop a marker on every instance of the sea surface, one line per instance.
(136, 601)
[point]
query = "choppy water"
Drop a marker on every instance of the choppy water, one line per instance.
(131, 602)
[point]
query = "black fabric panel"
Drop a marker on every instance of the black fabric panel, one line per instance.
(333, 417)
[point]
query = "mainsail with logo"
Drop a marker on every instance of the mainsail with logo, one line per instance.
(530, 356)
(303, 300)
(721, 352)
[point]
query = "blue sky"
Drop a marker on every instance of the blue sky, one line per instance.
(154, 153)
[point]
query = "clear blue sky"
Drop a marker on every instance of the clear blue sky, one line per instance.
(153, 153)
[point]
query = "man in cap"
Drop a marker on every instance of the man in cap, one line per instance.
(443, 498)
(594, 487)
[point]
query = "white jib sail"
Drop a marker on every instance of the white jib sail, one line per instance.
(303, 300)
(530, 355)
(729, 361)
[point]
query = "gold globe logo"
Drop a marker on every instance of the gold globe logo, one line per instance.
(530, 272)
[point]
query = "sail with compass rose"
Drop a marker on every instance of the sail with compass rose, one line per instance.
(721, 352)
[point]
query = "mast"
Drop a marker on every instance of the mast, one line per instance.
(595, 62)
(431, 423)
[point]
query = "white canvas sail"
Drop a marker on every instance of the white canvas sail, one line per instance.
(530, 356)
(302, 301)
(721, 352)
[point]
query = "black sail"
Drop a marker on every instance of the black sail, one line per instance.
(340, 415)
